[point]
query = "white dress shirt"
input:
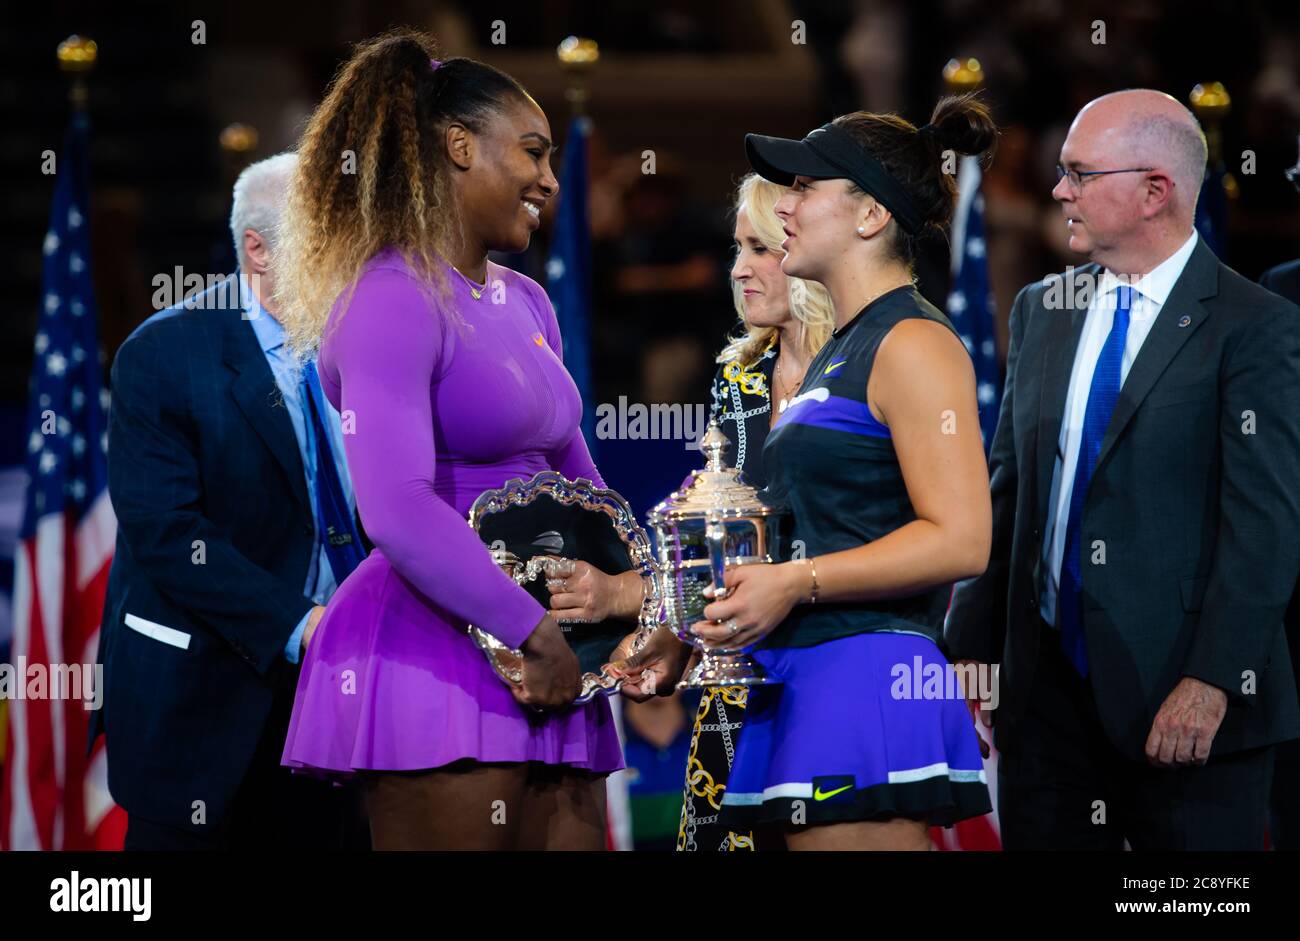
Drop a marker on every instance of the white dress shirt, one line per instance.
(1150, 292)
(287, 372)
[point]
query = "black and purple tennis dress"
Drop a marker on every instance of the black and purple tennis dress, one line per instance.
(867, 723)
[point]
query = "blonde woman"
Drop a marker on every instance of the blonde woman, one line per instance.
(784, 321)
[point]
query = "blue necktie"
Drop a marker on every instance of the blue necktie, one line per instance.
(1101, 404)
(334, 521)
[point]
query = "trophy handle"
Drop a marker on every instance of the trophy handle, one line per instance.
(716, 536)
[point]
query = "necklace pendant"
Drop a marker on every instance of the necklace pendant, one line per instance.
(782, 405)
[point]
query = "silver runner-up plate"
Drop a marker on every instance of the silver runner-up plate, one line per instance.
(535, 529)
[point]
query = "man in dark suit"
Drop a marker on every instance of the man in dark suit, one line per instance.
(220, 572)
(1145, 477)
(1285, 280)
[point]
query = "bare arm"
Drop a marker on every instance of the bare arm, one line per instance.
(923, 388)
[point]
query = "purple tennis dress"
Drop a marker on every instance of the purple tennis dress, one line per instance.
(435, 412)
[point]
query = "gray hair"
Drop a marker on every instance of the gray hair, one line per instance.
(1182, 146)
(1160, 130)
(259, 199)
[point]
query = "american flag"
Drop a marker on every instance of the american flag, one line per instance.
(970, 308)
(53, 795)
(568, 271)
(1212, 208)
(971, 304)
(568, 283)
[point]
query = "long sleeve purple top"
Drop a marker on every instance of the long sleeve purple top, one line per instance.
(438, 408)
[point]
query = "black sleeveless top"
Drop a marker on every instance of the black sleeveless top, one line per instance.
(831, 465)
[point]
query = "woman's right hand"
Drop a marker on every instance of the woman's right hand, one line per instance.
(552, 678)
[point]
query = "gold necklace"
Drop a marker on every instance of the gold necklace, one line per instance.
(475, 289)
(785, 399)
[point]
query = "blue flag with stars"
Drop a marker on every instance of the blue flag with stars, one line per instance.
(1212, 210)
(67, 407)
(568, 271)
(971, 304)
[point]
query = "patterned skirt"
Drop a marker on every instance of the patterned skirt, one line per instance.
(713, 748)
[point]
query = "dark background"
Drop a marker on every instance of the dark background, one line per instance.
(684, 79)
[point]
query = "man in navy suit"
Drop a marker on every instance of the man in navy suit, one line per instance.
(1145, 477)
(220, 574)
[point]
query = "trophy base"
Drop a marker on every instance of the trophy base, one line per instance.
(726, 670)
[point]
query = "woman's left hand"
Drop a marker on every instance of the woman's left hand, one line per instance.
(655, 669)
(758, 599)
(582, 593)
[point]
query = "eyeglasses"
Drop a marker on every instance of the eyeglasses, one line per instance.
(1077, 177)
(1293, 175)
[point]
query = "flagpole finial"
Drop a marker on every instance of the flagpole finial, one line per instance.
(238, 142)
(963, 75)
(1211, 103)
(578, 53)
(578, 56)
(76, 56)
(238, 138)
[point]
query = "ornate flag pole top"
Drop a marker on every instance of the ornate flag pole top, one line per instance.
(76, 56)
(963, 75)
(1211, 103)
(578, 56)
(238, 138)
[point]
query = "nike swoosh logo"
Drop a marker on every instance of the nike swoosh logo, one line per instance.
(818, 794)
(834, 366)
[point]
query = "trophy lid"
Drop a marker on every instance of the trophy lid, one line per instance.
(714, 490)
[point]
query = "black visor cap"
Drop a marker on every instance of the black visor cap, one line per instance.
(780, 160)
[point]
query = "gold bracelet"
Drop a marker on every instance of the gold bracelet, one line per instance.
(812, 567)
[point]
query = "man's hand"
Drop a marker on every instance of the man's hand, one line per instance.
(312, 620)
(1186, 724)
(978, 715)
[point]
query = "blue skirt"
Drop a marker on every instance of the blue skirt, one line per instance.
(849, 736)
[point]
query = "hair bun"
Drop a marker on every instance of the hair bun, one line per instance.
(962, 123)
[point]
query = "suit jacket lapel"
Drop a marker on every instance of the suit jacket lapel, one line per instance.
(259, 398)
(1199, 280)
(1064, 328)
